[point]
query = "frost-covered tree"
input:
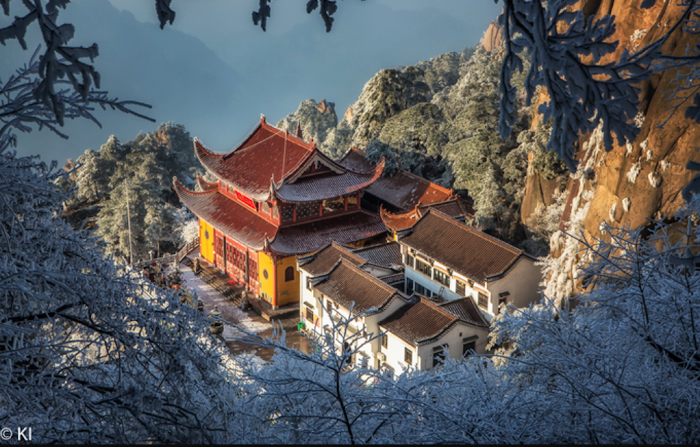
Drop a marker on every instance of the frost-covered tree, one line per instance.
(89, 354)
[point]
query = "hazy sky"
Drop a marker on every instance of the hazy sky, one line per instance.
(215, 72)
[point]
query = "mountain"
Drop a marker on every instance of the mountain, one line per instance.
(183, 79)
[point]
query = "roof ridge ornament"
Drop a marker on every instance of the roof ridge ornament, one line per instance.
(262, 118)
(299, 133)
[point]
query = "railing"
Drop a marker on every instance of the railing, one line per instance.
(187, 248)
(177, 257)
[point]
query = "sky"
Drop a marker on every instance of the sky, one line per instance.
(215, 72)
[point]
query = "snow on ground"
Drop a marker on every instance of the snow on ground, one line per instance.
(211, 296)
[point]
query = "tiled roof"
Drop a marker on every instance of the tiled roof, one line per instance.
(355, 160)
(419, 322)
(235, 220)
(460, 247)
(326, 258)
(328, 186)
(404, 190)
(242, 224)
(384, 255)
(454, 208)
(311, 236)
(399, 277)
(204, 185)
(265, 153)
(347, 284)
(466, 310)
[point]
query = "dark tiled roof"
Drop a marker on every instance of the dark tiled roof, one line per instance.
(460, 247)
(235, 220)
(257, 159)
(328, 186)
(326, 258)
(399, 277)
(404, 190)
(347, 284)
(311, 236)
(420, 322)
(466, 310)
(355, 160)
(455, 208)
(384, 255)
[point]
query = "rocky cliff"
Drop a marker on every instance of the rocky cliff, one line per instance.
(632, 183)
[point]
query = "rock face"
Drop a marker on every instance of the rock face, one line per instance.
(493, 38)
(634, 182)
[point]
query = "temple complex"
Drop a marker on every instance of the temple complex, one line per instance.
(277, 196)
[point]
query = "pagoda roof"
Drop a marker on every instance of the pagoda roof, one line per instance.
(327, 186)
(403, 190)
(456, 208)
(272, 161)
(343, 229)
(241, 223)
(232, 218)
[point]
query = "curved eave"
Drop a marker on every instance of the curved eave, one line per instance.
(234, 220)
(210, 161)
(327, 187)
(399, 222)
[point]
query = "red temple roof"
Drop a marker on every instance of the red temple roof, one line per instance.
(241, 223)
(235, 220)
(328, 186)
(270, 160)
(403, 190)
(456, 208)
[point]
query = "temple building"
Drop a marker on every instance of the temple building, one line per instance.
(277, 196)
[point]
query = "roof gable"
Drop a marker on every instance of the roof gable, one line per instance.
(347, 284)
(325, 259)
(419, 322)
(460, 247)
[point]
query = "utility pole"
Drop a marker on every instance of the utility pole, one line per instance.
(128, 218)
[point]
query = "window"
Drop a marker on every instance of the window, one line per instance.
(309, 312)
(469, 346)
(384, 341)
(409, 286)
(408, 356)
(502, 300)
(423, 268)
(410, 260)
(460, 288)
(308, 283)
(307, 209)
(289, 274)
(420, 289)
(388, 370)
(442, 277)
(287, 213)
(438, 356)
(483, 301)
(352, 201)
(330, 205)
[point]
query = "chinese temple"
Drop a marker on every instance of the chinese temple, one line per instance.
(277, 196)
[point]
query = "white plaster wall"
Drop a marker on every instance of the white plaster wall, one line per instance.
(453, 338)
(522, 282)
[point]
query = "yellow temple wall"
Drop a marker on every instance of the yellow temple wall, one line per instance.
(206, 246)
(267, 285)
(287, 291)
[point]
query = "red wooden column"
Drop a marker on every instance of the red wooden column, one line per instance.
(274, 280)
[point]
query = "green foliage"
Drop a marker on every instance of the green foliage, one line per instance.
(418, 127)
(148, 163)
